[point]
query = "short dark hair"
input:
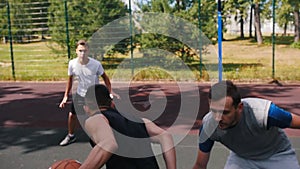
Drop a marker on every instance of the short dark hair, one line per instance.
(223, 89)
(97, 95)
(81, 42)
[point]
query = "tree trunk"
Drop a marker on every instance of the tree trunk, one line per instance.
(178, 5)
(285, 29)
(297, 23)
(250, 23)
(242, 26)
(257, 24)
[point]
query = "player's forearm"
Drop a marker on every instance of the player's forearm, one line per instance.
(200, 165)
(170, 158)
(107, 82)
(68, 86)
(202, 160)
(96, 159)
(169, 154)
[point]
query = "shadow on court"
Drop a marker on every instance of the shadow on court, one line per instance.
(32, 125)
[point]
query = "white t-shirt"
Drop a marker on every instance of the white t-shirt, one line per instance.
(86, 75)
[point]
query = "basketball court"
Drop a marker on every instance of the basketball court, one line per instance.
(32, 125)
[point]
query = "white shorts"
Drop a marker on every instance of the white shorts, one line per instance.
(283, 160)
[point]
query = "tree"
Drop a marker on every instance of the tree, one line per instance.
(28, 18)
(239, 9)
(295, 4)
(19, 19)
(283, 14)
(160, 6)
(288, 11)
(152, 39)
(208, 17)
(187, 11)
(85, 17)
(251, 19)
(257, 22)
(3, 20)
(182, 4)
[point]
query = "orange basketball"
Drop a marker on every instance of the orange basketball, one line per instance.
(66, 164)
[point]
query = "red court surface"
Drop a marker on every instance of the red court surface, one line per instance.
(32, 125)
(30, 104)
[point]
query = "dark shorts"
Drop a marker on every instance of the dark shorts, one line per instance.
(77, 105)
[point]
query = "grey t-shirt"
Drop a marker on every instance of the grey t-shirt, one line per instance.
(250, 138)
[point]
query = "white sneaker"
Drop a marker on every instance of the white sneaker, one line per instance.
(67, 140)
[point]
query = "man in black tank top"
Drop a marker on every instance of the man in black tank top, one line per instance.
(120, 140)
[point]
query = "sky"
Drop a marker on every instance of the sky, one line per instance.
(134, 7)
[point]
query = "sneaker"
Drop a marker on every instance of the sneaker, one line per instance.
(67, 140)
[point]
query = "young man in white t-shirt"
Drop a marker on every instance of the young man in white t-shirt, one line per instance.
(86, 71)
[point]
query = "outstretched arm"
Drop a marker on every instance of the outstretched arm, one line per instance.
(99, 130)
(165, 139)
(295, 121)
(203, 151)
(279, 117)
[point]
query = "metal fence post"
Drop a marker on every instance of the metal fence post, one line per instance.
(131, 39)
(200, 35)
(67, 29)
(273, 40)
(11, 42)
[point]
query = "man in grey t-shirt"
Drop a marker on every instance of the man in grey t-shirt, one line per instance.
(251, 128)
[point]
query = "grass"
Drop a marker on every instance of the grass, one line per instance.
(243, 60)
(32, 62)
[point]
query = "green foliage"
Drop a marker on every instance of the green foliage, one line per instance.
(3, 19)
(283, 13)
(85, 17)
(27, 18)
(239, 9)
(207, 19)
(160, 6)
(296, 45)
(183, 12)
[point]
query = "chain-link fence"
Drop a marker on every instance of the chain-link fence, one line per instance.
(38, 37)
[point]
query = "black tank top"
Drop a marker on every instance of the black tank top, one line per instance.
(131, 128)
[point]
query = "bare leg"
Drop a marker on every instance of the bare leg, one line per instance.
(72, 121)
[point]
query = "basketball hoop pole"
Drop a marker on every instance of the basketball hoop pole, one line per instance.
(220, 39)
